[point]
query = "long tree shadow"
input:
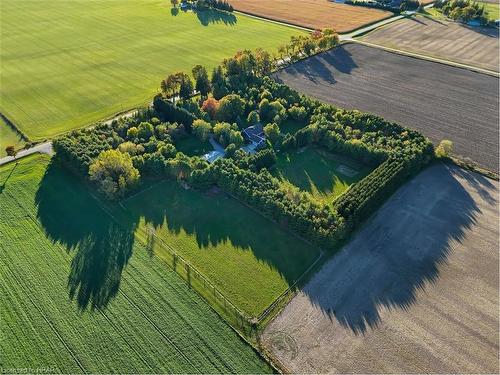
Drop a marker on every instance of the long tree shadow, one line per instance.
(320, 68)
(208, 16)
(399, 252)
(213, 219)
(75, 220)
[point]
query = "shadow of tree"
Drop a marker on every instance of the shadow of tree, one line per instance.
(75, 220)
(213, 219)
(398, 252)
(208, 16)
(320, 68)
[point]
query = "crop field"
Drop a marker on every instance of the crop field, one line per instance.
(313, 14)
(452, 41)
(415, 291)
(101, 57)
(441, 101)
(325, 176)
(8, 137)
(248, 258)
(78, 295)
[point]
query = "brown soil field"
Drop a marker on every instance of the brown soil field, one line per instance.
(415, 291)
(476, 46)
(441, 101)
(313, 14)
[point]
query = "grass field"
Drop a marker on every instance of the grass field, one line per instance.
(8, 137)
(249, 259)
(313, 14)
(101, 57)
(191, 145)
(78, 295)
(476, 46)
(317, 172)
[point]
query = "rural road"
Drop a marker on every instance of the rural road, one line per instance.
(46, 147)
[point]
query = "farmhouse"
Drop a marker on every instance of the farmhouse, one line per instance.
(255, 135)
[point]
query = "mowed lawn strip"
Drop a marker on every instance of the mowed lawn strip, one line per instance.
(251, 260)
(322, 174)
(68, 64)
(129, 312)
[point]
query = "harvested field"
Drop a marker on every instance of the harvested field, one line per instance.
(441, 101)
(313, 14)
(416, 291)
(453, 41)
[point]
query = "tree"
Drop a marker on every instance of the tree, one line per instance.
(145, 130)
(253, 118)
(444, 149)
(114, 173)
(236, 138)
(11, 151)
(202, 82)
(263, 62)
(219, 87)
(202, 129)
(185, 87)
(231, 107)
(174, 3)
(272, 132)
(210, 106)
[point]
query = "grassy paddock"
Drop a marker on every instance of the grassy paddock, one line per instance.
(317, 172)
(77, 294)
(249, 259)
(101, 57)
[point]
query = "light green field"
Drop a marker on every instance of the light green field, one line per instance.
(317, 172)
(8, 137)
(66, 64)
(249, 259)
(78, 295)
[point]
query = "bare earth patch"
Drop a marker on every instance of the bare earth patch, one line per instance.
(441, 101)
(416, 290)
(313, 14)
(476, 46)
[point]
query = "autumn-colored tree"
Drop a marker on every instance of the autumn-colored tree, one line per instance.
(210, 106)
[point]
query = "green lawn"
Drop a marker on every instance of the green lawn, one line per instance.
(78, 294)
(9, 137)
(492, 10)
(66, 64)
(291, 126)
(317, 172)
(250, 259)
(191, 146)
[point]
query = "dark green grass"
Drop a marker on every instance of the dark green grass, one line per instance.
(78, 294)
(250, 259)
(191, 146)
(316, 172)
(67, 64)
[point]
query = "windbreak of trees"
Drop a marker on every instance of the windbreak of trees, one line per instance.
(238, 94)
(462, 10)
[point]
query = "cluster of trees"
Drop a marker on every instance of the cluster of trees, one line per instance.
(462, 10)
(318, 40)
(238, 94)
(217, 4)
